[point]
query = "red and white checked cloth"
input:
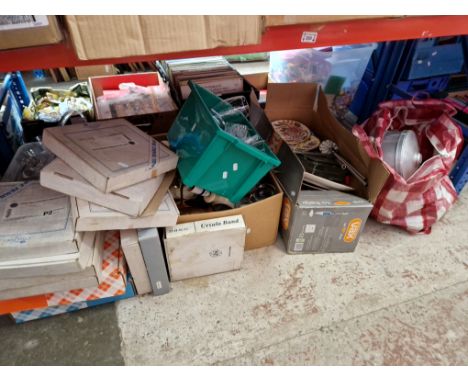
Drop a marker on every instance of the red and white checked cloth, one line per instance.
(417, 203)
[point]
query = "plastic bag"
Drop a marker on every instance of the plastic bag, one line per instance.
(417, 203)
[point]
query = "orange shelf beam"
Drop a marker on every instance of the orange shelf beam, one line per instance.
(274, 38)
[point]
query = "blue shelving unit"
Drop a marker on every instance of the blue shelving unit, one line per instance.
(459, 174)
(14, 97)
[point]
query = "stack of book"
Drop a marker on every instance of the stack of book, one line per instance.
(63, 234)
(213, 73)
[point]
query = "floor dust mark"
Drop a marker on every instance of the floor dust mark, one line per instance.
(198, 282)
(439, 340)
(268, 361)
(295, 299)
(31, 344)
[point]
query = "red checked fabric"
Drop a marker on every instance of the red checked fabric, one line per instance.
(417, 203)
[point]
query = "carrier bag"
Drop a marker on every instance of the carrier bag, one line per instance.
(417, 202)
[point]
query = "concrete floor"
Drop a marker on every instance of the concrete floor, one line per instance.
(398, 300)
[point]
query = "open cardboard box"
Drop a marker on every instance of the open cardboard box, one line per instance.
(307, 104)
(261, 218)
(150, 123)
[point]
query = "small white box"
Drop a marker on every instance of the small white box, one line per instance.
(205, 247)
(110, 154)
(162, 211)
(132, 200)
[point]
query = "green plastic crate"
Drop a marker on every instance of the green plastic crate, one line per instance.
(211, 158)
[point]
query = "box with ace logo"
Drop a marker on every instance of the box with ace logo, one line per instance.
(323, 221)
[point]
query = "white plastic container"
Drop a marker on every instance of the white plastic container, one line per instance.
(318, 64)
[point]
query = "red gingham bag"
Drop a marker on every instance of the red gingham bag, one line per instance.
(417, 203)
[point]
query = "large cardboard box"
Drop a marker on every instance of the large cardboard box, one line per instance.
(23, 31)
(122, 36)
(276, 20)
(307, 104)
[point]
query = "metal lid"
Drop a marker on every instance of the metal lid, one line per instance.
(401, 151)
(408, 157)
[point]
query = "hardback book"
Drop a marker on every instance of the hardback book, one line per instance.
(110, 154)
(132, 200)
(35, 222)
(44, 265)
(205, 247)
(136, 262)
(90, 277)
(114, 274)
(162, 211)
(153, 253)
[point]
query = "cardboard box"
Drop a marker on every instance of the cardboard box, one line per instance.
(160, 212)
(307, 104)
(153, 123)
(25, 31)
(90, 277)
(136, 262)
(54, 265)
(205, 247)
(257, 80)
(132, 200)
(324, 221)
(261, 218)
(153, 253)
(83, 73)
(111, 154)
(35, 222)
(123, 36)
(114, 273)
(276, 20)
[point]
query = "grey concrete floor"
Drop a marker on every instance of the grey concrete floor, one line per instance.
(397, 300)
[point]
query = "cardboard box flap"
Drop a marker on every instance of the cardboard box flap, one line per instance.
(292, 101)
(290, 173)
(377, 177)
(258, 119)
(348, 144)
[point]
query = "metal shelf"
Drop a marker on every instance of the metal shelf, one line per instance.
(274, 38)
